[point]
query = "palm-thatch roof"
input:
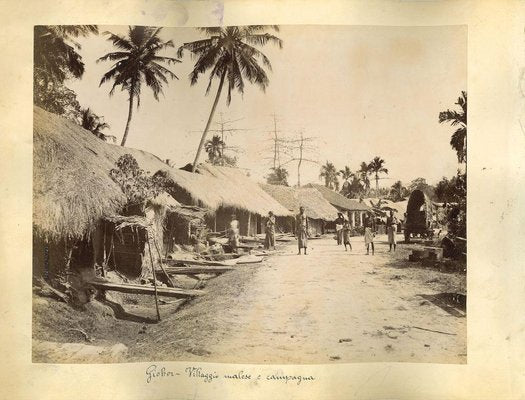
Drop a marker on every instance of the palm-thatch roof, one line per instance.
(72, 188)
(227, 187)
(316, 207)
(338, 200)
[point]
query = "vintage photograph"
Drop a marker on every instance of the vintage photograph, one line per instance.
(290, 194)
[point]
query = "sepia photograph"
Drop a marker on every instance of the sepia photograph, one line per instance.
(257, 194)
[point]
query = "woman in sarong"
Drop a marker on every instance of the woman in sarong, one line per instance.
(391, 224)
(302, 230)
(339, 222)
(269, 242)
(233, 234)
(369, 224)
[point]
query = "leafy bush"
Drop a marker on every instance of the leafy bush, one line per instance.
(136, 184)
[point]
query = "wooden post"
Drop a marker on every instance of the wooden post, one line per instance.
(160, 263)
(69, 252)
(104, 250)
(170, 238)
(154, 277)
(112, 250)
(248, 223)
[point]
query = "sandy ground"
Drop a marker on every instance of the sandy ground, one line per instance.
(328, 306)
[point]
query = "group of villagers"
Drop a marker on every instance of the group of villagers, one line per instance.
(343, 231)
(342, 228)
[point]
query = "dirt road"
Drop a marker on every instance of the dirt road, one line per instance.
(328, 306)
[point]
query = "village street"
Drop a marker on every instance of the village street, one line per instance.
(328, 306)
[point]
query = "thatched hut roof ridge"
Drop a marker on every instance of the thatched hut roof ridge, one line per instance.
(72, 189)
(233, 188)
(338, 200)
(71, 186)
(315, 205)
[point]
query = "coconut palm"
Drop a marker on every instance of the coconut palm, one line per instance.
(330, 174)
(355, 187)
(376, 167)
(364, 172)
(137, 62)
(56, 59)
(214, 148)
(55, 51)
(458, 141)
(230, 55)
(346, 173)
(93, 123)
(398, 191)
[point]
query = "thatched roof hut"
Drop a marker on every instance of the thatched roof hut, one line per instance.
(72, 189)
(71, 186)
(338, 200)
(316, 207)
(227, 187)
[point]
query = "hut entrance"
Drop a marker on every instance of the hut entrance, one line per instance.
(121, 249)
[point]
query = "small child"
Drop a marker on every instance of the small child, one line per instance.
(346, 235)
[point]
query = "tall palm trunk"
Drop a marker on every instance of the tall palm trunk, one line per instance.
(130, 113)
(203, 138)
(377, 183)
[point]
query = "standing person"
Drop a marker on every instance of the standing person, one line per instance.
(369, 224)
(270, 232)
(346, 235)
(391, 224)
(302, 230)
(233, 234)
(339, 222)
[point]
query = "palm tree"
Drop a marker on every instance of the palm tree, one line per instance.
(330, 174)
(137, 62)
(278, 176)
(230, 54)
(458, 141)
(376, 167)
(397, 191)
(55, 52)
(355, 187)
(364, 172)
(56, 59)
(93, 123)
(346, 173)
(214, 148)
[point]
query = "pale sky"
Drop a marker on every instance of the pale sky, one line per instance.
(362, 91)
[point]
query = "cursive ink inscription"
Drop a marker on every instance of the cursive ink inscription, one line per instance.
(154, 371)
(279, 376)
(194, 372)
(241, 375)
